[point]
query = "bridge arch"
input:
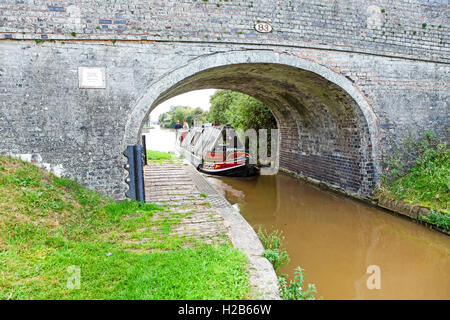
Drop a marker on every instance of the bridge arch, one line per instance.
(328, 130)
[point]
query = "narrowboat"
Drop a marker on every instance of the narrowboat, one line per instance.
(216, 150)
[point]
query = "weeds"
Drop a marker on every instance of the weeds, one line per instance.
(278, 256)
(294, 290)
(273, 251)
(440, 220)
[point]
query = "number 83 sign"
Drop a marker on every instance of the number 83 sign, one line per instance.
(263, 27)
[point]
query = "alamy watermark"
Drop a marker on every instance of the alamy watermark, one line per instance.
(74, 279)
(374, 280)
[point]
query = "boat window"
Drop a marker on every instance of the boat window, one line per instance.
(195, 138)
(207, 141)
(187, 139)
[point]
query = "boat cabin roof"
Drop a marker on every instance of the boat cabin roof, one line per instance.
(200, 140)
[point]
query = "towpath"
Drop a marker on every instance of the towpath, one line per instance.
(210, 219)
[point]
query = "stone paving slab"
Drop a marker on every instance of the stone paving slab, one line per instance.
(172, 185)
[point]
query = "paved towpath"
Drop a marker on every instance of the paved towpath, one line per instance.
(211, 218)
(174, 185)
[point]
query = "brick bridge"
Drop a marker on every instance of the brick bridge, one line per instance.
(346, 80)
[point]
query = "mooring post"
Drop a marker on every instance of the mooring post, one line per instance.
(144, 151)
(135, 179)
(140, 193)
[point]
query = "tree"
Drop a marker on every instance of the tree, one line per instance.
(221, 101)
(240, 111)
(181, 113)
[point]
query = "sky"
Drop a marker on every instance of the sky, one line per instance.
(194, 99)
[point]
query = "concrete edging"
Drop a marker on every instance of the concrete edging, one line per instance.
(411, 211)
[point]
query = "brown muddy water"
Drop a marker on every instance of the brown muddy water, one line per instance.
(335, 239)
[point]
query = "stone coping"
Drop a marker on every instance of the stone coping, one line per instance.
(409, 210)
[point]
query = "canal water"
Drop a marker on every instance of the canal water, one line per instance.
(335, 239)
(159, 139)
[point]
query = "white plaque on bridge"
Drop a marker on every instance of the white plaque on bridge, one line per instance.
(91, 77)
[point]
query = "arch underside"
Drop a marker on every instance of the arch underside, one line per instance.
(323, 132)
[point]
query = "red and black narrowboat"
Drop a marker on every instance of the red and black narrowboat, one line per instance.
(216, 150)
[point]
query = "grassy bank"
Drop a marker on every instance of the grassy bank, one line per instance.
(159, 157)
(419, 173)
(59, 240)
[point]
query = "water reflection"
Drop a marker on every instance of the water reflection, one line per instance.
(160, 139)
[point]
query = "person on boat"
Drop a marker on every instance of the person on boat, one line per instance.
(185, 125)
(178, 125)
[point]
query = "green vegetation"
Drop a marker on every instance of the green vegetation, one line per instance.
(59, 240)
(240, 111)
(227, 107)
(180, 113)
(273, 251)
(278, 256)
(419, 173)
(294, 290)
(438, 219)
(160, 157)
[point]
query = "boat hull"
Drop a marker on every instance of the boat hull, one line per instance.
(239, 171)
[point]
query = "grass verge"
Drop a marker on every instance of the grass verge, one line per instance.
(159, 157)
(59, 240)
